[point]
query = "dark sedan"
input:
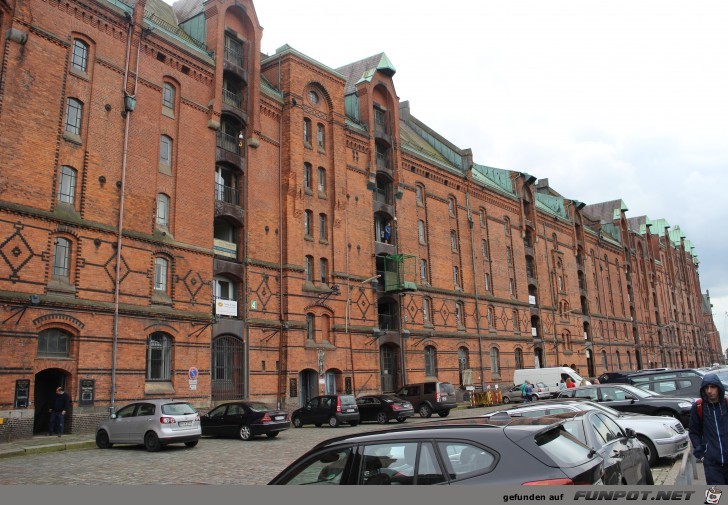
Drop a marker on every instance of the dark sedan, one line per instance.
(383, 408)
(625, 458)
(457, 451)
(244, 420)
(626, 398)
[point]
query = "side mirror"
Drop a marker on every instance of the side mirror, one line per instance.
(630, 397)
(630, 433)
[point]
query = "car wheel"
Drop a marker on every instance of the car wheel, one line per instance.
(444, 413)
(401, 419)
(534, 398)
(296, 422)
(651, 451)
(245, 432)
(333, 422)
(382, 418)
(425, 410)
(506, 399)
(151, 442)
(192, 443)
(272, 435)
(102, 440)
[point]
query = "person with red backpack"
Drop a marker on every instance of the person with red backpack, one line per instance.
(709, 430)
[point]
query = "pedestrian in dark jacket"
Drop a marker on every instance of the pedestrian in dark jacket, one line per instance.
(59, 406)
(709, 437)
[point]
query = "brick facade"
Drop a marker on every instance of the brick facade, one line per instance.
(264, 184)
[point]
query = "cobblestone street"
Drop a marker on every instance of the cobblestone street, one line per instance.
(213, 461)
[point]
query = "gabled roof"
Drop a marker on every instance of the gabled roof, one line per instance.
(162, 10)
(364, 70)
(185, 9)
(606, 211)
(553, 205)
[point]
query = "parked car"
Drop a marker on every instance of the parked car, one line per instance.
(331, 409)
(550, 376)
(244, 420)
(683, 382)
(382, 408)
(457, 451)
(626, 398)
(663, 437)
(540, 392)
(429, 397)
(154, 423)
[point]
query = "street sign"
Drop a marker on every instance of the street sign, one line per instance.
(193, 373)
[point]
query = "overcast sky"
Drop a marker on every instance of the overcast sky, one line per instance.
(607, 100)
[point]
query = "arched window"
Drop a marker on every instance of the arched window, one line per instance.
(507, 226)
(453, 240)
(159, 357)
(224, 288)
(463, 361)
(456, 276)
(421, 231)
(67, 185)
(423, 270)
(168, 93)
(79, 58)
(460, 314)
(163, 210)
(516, 323)
(617, 360)
(566, 335)
(308, 223)
(324, 270)
(307, 130)
(487, 281)
(53, 343)
(518, 355)
(605, 366)
(322, 180)
(483, 217)
(427, 311)
(161, 268)
(310, 327)
(451, 206)
(419, 194)
(484, 248)
(320, 136)
(165, 151)
(307, 176)
(491, 317)
(309, 268)
(323, 228)
(74, 113)
(62, 258)
(430, 361)
(494, 361)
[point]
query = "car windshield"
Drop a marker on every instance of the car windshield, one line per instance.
(390, 399)
(177, 409)
(258, 406)
(640, 393)
(348, 400)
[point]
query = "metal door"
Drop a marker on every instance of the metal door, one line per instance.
(228, 368)
(389, 367)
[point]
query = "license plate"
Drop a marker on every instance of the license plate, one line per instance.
(280, 418)
(444, 398)
(408, 405)
(185, 423)
(350, 410)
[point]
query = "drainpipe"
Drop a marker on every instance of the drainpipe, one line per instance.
(127, 118)
(282, 347)
(475, 285)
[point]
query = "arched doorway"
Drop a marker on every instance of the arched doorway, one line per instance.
(228, 368)
(538, 357)
(46, 382)
(308, 379)
(333, 381)
(389, 367)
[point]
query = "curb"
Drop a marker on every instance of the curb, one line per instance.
(11, 452)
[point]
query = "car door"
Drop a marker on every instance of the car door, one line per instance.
(621, 399)
(325, 409)
(213, 421)
(234, 418)
(366, 408)
(119, 427)
(140, 423)
(309, 412)
(616, 456)
(633, 468)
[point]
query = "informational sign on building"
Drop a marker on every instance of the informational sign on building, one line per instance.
(86, 391)
(226, 307)
(22, 393)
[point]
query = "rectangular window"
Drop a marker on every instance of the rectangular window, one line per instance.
(423, 270)
(162, 210)
(308, 223)
(168, 95)
(74, 112)
(309, 269)
(307, 176)
(321, 180)
(322, 227)
(307, 131)
(67, 185)
(421, 231)
(320, 136)
(324, 270)
(79, 58)
(160, 274)
(456, 276)
(165, 150)
(62, 258)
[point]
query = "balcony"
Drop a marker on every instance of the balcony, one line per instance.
(225, 249)
(227, 203)
(528, 249)
(234, 61)
(383, 163)
(226, 194)
(380, 131)
(228, 142)
(232, 98)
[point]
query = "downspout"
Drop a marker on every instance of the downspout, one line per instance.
(554, 297)
(127, 118)
(282, 347)
(475, 285)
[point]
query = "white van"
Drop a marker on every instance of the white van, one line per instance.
(551, 376)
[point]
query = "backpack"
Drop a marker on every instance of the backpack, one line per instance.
(523, 389)
(699, 404)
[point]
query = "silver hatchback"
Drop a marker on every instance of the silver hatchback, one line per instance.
(154, 423)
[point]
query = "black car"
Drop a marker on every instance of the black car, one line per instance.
(383, 408)
(430, 396)
(625, 458)
(626, 398)
(328, 409)
(457, 451)
(244, 420)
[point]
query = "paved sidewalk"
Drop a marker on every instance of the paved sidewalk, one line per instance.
(43, 443)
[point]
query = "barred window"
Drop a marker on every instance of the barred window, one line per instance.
(162, 210)
(67, 185)
(161, 266)
(53, 343)
(79, 58)
(159, 356)
(74, 112)
(62, 258)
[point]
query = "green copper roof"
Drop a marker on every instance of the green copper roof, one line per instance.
(497, 178)
(675, 235)
(552, 204)
(657, 227)
(609, 230)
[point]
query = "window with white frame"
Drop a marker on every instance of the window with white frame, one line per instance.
(62, 258)
(224, 288)
(79, 58)
(168, 95)
(159, 357)
(161, 267)
(74, 113)
(165, 150)
(494, 361)
(421, 231)
(163, 210)
(67, 185)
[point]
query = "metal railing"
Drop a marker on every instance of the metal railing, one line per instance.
(228, 142)
(232, 98)
(234, 56)
(688, 469)
(226, 194)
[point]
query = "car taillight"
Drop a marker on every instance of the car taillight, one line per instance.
(167, 420)
(549, 482)
(338, 404)
(539, 390)
(265, 418)
(437, 397)
(396, 406)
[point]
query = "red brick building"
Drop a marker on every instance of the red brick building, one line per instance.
(173, 201)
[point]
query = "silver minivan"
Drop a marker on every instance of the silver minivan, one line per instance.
(154, 423)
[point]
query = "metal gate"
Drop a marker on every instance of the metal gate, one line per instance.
(228, 368)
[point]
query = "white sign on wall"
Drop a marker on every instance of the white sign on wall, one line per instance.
(226, 307)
